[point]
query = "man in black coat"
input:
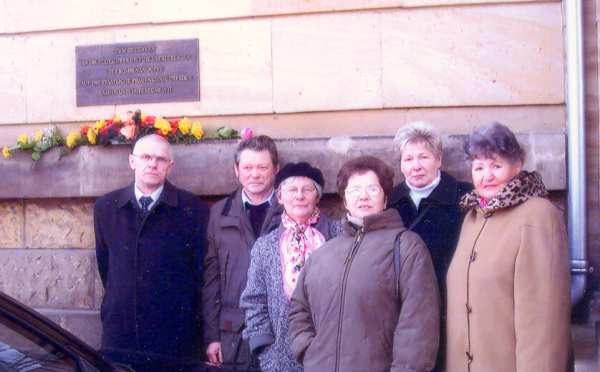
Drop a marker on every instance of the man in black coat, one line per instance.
(150, 241)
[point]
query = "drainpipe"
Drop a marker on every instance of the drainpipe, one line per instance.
(575, 100)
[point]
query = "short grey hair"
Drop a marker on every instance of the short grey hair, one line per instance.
(492, 140)
(289, 179)
(417, 132)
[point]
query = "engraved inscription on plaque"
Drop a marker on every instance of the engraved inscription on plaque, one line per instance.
(152, 71)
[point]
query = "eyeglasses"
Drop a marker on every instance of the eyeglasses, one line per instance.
(146, 158)
(356, 191)
(293, 190)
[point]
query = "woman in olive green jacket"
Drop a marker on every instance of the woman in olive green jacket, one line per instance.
(347, 312)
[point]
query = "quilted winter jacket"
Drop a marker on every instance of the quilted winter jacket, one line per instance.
(345, 314)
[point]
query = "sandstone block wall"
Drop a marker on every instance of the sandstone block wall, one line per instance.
(48, 261)
(304, 68)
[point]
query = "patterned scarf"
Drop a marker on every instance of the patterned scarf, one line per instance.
(297, 242)
(524, 186)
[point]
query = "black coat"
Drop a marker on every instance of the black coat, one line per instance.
(437, 221)
(440, 226)
(151, 269)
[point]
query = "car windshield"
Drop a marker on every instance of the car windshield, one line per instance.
(21, 350)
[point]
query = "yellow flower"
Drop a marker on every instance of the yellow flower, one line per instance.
(185, 125)
(117, 119)
(162, 125)
(73, 139)
(91, 136)
(23, 140)
(197, 130)
(6, 152)
(39, 134)
(99, 125)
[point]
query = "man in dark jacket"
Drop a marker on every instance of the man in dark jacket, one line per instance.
(150, 240)
(235, 223)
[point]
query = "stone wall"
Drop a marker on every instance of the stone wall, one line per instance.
(48, 261)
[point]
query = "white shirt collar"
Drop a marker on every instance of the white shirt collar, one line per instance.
(246, 199)
(154, 195)
(418, 194)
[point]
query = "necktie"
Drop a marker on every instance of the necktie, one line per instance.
(145, 202)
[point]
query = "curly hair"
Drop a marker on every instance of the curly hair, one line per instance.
(494, 139)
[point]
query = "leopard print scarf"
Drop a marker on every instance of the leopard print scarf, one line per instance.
(524, 186)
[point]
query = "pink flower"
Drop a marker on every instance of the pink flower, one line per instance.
(247, 133)
(128, 131)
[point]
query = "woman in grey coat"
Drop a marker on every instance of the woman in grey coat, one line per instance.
(276, 261)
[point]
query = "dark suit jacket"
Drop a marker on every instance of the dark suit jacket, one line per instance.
(151, 269)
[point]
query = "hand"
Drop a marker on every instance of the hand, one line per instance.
(214, 354)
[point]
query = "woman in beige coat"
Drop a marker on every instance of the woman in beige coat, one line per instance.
(508, 282)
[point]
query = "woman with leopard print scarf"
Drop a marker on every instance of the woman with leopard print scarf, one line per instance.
(508, 282)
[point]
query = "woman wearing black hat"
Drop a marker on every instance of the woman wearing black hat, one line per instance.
(276, 261)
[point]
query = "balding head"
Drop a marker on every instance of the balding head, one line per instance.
(151, 161)
(154, 139)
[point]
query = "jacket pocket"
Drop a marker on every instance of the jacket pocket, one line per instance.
(231, 319)
(235, 349)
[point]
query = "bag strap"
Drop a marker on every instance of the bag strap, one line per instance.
(419, 217)
(397, 242)
(398, 260)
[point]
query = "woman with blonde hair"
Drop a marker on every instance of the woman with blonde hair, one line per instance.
(427, 201)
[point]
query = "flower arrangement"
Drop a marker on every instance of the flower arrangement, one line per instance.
(117, 131)
(42, 141)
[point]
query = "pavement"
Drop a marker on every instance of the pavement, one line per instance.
(587, 351)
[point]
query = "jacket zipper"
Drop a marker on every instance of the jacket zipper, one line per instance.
(347, 264)
(472, 257)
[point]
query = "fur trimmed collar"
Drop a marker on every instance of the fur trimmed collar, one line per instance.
(524, 186)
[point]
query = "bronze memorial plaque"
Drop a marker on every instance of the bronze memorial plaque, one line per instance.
(151, 71)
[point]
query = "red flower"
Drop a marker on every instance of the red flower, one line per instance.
(104, 130)
(148, 121)
(174, 125)
(83, 130)
(109, 122)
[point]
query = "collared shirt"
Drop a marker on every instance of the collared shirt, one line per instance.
(154, 195)
(418, 194)
(246, 199)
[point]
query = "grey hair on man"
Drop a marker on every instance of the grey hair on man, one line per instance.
(419, 132)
